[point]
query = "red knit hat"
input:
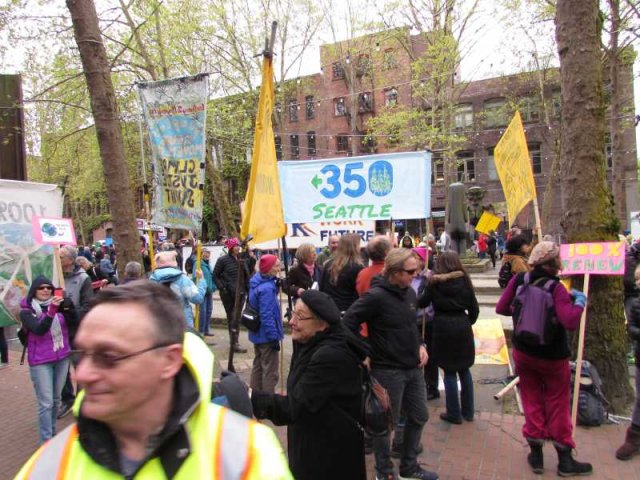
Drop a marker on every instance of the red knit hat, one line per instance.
(266, 263)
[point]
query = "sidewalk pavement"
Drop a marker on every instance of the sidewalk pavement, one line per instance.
(491, 447)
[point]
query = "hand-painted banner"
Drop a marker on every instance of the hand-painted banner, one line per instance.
(513, 165)
(488, 221)
(604, 258)
(54, 231)
(176, 112)
(318, 233)
(373, 187)
(22, 258)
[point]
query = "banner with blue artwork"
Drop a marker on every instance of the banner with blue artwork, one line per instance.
(175, 112)
(372, 187)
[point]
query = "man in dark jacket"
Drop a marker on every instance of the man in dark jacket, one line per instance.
(397, 355)
(225, 276)
(631, 291)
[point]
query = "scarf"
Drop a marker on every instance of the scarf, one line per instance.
(310, 268)
(55, 329)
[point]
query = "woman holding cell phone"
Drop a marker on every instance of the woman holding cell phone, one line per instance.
(48, 350)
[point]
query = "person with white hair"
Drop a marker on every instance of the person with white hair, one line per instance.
(168, 273)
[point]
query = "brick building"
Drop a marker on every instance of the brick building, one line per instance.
(325, 115)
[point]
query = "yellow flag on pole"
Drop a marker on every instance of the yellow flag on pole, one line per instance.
(263, 217)
(511, 157)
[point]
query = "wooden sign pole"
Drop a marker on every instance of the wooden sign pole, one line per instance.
(536, 212)
(576, 383)
(58, 266)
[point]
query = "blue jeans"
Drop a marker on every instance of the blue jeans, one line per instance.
(406, 391)
(48, 380)
(466, 394)
(206, 309)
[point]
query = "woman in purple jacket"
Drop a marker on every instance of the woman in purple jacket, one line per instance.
(544, 371)
(48, 350)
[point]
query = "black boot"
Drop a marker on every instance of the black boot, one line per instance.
(535, 457)
(567, 466)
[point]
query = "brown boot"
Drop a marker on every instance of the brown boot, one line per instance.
(631, 445)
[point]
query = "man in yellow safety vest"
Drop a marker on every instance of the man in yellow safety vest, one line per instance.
(145, 409)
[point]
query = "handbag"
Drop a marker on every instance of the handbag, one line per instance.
(250, 317)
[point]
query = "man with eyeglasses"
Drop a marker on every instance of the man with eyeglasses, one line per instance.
(397, 356)
(145, 407)
(79, 290)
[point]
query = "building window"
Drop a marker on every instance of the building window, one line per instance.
(437, 170)
(390, 97)
(340, 107)
(530, 109)
(495, 112)
(491, 165)
(389, 60)
(310, 107)
(365, 102)
(293, 110)
(464, 115)
(466, 166)
(608, 151)
(278, 141)
(295, 146)
(337, 71)
(311, 144)
(556, 103)
(536, 158)
(342, 143)
(368, 143)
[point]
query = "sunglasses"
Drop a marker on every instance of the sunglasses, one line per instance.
(108, 361)
(45, 287)
(410, 271)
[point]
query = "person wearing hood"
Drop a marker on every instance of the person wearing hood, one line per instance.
(397, 357)
(47, 351)
(322, 406)
(263, 296)
(544, 370)
(450, 292)
(168, 274)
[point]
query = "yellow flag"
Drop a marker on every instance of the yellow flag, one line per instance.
(511, 157)
(263, 217)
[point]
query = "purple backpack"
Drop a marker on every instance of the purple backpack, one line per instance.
(534, 315)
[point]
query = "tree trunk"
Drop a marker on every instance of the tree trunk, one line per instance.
(104, 109)
(221, 207)
(589, 213)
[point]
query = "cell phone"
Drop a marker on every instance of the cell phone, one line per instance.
(58, 292)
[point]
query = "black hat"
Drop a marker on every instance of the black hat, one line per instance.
(322, 305)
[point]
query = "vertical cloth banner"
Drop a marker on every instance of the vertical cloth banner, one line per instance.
(511, 157)
(175, 112)
(22, 258)
(262, 216)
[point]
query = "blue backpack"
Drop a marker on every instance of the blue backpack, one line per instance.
(534, 314)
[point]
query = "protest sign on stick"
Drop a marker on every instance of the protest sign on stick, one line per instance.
(597, 258)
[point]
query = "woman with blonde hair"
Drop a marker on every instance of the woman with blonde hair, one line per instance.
(338, 279)
(305, 273)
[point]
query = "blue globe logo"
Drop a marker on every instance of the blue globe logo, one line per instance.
(380, 178)
(49, 229)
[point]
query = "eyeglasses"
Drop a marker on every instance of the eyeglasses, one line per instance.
(106, 361)
(410, 271)
(45, 287)
(297, 315)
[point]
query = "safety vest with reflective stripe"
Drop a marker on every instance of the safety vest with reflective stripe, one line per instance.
(224, 446)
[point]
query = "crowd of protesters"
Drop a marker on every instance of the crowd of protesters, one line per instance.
(402, 312)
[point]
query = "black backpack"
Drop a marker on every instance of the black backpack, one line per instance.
(505, 274)
(591, 401)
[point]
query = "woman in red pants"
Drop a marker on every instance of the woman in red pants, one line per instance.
(544, 371)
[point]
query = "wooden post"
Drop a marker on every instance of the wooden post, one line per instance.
(536, 212)
(58, 266)
(196, 267)
(576, 383)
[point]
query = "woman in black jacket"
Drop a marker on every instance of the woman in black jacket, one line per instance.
(455, 307)
(305, 273)
(324, 392)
